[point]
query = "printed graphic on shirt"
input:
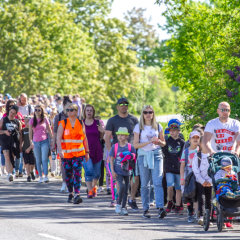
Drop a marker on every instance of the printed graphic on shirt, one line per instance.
(11, 126)
(174, 150)
(223, 138)
(191, 155)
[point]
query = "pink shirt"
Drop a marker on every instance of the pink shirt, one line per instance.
(40, 131)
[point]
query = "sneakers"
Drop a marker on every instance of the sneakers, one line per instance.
(169, 206)
(133, 205)
(229, 225)
(94, 192)
(178, 210)
(70, 198)
(108, 191)
(100, 189)
(53, 174)
(20, 174)
(230, 195)
(90, 194)
(64, 187)
(77, 199)
(162, 213)
(200, 220)
(28, 179)
(191, 218)
(17, 174)
(113, 203)
(237, 193)
(10, 177)
(36, 174)
(41, 179)
(173, 208)
(146, 214)
(118, 209)
(124, 211)
(32, 176)
(46, 180)
(151, 204)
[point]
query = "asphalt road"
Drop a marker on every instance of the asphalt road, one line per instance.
(39, 211)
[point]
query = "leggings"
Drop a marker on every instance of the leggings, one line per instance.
(123, 182)
(73, 169)
(204, 198)
(102, 174)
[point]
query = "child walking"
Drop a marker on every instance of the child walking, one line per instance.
(186, 168)
(28, 154)
(119, 171)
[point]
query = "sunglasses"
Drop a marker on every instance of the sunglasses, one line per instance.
(224, 110)
(70, 110)
(123, 104)
(37, 110)
(145, 112)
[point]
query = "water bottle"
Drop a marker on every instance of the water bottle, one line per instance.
(53, 156)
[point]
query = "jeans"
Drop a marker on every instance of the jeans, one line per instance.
(19, 163)
(41, 150)
(92, 170)
(2, 158)
(152, 198)
(157, 175)
(173, 180)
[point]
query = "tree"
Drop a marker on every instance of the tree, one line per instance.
(205, 44)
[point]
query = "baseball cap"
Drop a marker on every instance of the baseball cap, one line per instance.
(44, 96)
(121, 100)
(174, 126)
(195, 133)
(175, 121)
(226, 161)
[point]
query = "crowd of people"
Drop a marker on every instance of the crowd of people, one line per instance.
(140, 158)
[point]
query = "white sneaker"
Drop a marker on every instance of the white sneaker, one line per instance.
(200, 221)
(124, 211)
(17, 174)
(10, 177)
(100, 189)
(41, 179)
(118, 209)
(64, 187)
(46, 180)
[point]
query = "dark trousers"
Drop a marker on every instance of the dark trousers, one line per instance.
(123, 182)
(102, 174)
(204, 198)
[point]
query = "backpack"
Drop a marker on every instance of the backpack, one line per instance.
(65, 121)
(129, 161)
(189, 192)
(29, 109)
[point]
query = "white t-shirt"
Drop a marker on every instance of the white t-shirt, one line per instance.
(146, 136)
(223, 138)
(24, 110)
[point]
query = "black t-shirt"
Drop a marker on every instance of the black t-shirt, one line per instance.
(26, 142)
(114, 123)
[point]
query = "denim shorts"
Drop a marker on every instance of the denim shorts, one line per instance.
(173, 180)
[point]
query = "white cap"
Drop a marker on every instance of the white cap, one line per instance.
(194, 133)
(44, 96)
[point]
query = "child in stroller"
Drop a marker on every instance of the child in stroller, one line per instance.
(226, 188)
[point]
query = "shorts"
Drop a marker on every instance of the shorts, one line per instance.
(29, 158)
(173, 180)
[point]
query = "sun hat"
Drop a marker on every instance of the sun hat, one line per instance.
(123, 131)
(173, 126)
(226, 161)
(194, 133)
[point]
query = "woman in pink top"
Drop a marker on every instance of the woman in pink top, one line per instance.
(38, 129)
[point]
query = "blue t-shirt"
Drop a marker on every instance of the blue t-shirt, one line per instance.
(117, 164)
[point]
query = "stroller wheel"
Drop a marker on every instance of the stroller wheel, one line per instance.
(220, 220)
(206, 220)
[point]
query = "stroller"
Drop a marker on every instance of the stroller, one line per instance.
(226, 207)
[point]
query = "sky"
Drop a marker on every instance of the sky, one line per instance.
(119, 7)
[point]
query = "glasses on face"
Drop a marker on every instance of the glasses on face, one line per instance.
(123, 104)
(70, 110)
(37, 110)
(146, 112)
(224, 110)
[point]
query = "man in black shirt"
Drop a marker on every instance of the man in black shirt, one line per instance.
(123, 119)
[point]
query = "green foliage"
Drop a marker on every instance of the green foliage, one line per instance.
(205, 44)
(154, 89)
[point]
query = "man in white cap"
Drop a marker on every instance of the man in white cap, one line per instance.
(221, 133)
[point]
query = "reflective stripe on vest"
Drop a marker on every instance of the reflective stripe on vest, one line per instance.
(71, 141)
(73, 150)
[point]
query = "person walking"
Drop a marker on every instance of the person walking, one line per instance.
(73, 146)
(38, 128)
(148, 139)
(11, 139)
(123, 119)
(94, 132)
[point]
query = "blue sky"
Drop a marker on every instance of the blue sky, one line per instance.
(154, 11)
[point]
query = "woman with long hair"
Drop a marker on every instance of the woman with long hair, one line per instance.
(39, 125)
(94, 132)
(148, 139)
(73, 146)
(11, 139)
